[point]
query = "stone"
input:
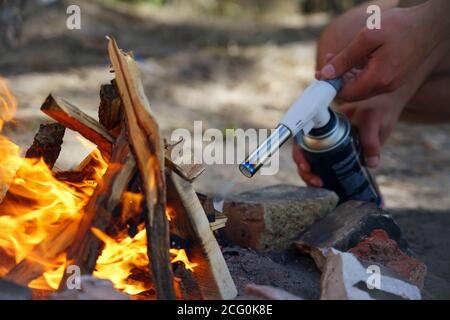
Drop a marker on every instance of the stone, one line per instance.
(254, 291)
(12, 291)
(345, 278)
(292, 273)
(379, 248)
(349, 224)
(271, 218)
(91, 288)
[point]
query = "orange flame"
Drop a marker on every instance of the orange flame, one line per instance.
(37, 204)
(8, 104)
(124, 254)
(131, 205)
(40, 208)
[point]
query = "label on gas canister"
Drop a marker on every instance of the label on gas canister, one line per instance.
(342, 172)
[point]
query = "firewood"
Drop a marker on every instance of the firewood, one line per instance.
(38, 260)
(212, 274)
(146, 143)
(110, 110)
(73, 118)
(186, 285)
(219, 223)
(41, 256)
(190, 172)
(98, 213)
(47, 143)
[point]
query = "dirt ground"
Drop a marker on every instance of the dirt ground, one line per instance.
(227, 73)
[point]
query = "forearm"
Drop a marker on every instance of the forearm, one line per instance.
(437, 20)
(410, 88)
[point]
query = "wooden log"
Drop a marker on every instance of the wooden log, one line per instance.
(110, 111)
(98, 213)
(191, 223)
(42, 255)
(146, 143)
(47, 143)
(73, 118)
(38, 260)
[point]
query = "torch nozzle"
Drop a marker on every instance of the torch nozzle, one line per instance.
(265, 150)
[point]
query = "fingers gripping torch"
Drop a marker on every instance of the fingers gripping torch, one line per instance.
(328, 141)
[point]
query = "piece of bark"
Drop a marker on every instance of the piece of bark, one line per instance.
(73, 118)
(190, 222)
(47, 143)
(146, 143)
(99, 211)
(110, 110)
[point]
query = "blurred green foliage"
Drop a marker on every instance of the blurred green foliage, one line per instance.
(228, 7)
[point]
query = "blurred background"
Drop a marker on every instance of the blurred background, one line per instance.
(228, 63)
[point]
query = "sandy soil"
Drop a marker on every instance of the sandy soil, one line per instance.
(228, 74)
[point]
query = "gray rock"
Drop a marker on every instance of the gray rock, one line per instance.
(271, 219)
(12, 291)
(292, 273)
(91, 289)
(254, 291)
(345, 278)
(347, 225)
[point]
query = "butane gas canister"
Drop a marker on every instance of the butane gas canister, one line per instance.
(334, 153)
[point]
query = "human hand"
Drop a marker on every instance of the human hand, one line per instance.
(382, 60)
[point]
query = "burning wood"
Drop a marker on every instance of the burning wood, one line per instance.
(146, 142)
(108, 217)
(99, 211)
(110, 111)
(73, 118)
(47, 143)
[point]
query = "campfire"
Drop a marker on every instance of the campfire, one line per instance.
(126, 213)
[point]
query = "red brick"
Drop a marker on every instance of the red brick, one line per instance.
(379, 248)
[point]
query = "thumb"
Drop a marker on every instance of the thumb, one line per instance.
(352, 56)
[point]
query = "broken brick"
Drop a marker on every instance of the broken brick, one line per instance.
(380, 248)
(271, 218)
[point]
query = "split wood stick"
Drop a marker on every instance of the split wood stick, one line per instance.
(99, 212)
(146, 143)
(73, 118)
(43, 255)
(191, 223)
